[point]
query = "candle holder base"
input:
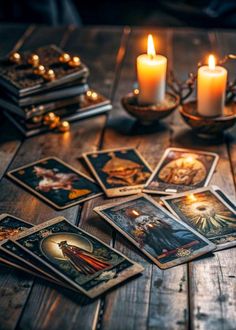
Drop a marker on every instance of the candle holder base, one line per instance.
(208, 126)
(148, 114)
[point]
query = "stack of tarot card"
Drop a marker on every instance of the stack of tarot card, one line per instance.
(34, 83)
(201, 219)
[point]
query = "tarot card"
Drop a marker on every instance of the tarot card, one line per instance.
(13, 255)
(208, 213)
(119, 171)
(56, 182)
(164, 239)
(78, 258)
(181, 170)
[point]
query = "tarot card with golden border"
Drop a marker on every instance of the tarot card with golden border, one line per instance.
(181, 170)
(209, 211)
(155, 231)
(56, 182)
(119, 172)
(76, 257)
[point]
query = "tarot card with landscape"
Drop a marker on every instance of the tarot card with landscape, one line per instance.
(164, 239)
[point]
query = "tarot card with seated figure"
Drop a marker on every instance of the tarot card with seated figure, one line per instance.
(56, 182)
(181, 170)
(209, 212)
(120, 171)
(163, 238)
(76, 257)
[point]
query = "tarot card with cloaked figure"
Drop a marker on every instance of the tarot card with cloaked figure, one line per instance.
(181, 170)
(56, 182)
(209, 211)
(119, 171)
(156, 232)
(76, 257)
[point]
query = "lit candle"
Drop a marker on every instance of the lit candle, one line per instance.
(211, 89)
(151, 72)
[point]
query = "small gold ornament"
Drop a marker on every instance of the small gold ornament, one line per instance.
(74, 62)
(49, 118)
(181, 252)
(49, 75)
(64, 126)
(37, 119)
(93, 96)
(64, 58)
(33, 59)
(40, 70)
(15, 58)
(55, 123)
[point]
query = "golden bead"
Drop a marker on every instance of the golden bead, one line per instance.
(49, 118)
(33, 59)
(64, 126)
(39, 70)
(64, 58)
(74, 62)
(49, 75)
(37, 119)
(15, 58)
(55, 123)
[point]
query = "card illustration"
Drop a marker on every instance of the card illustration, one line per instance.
(80, 259)
(207, 212)
(181, 170)
(119, 171)
(155, 231)
(11, 226)
(56, 182)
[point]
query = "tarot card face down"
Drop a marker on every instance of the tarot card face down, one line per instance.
(164, 239)
(56, 182)
(208, 213)
(119, 171)
(78, 258)
(181, 170)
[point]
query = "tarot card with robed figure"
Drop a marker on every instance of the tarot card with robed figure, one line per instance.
(78, 258)
(206, 211)
(164, 239)
(120, 171)
(56, 182)
(12, 254)
(181, 170)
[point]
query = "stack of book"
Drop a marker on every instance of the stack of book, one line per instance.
(46, 80)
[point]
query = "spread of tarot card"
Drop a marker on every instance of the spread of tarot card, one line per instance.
(119, 172)
(181, 170)
(209, 211)
(56, 182)
(157, 233)
(75, 257)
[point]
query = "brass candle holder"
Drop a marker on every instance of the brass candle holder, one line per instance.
(201, 125)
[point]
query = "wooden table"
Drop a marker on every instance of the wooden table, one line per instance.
(198, 295)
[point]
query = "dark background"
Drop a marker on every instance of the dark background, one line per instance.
(164, 13)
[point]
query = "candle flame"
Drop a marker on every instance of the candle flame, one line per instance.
(150, 46)
(211, 62)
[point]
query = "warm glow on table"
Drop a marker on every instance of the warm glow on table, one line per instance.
(151, 72)
(211, 88)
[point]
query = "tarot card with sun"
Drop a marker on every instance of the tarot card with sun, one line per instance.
(181, 170)
(56, 182)
(155, 231)
(207, 212)
(76, 257)
(120, 171)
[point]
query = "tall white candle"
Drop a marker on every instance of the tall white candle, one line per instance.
(211, 88)
(151, 72)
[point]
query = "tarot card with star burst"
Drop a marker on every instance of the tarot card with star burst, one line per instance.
(207, 212)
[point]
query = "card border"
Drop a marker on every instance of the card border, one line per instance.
(162, 192)
(113, 192)
(134, 269)
(212, 190)
(209, 248)
(10, 174)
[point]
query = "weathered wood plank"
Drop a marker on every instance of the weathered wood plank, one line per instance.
(46, 310)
